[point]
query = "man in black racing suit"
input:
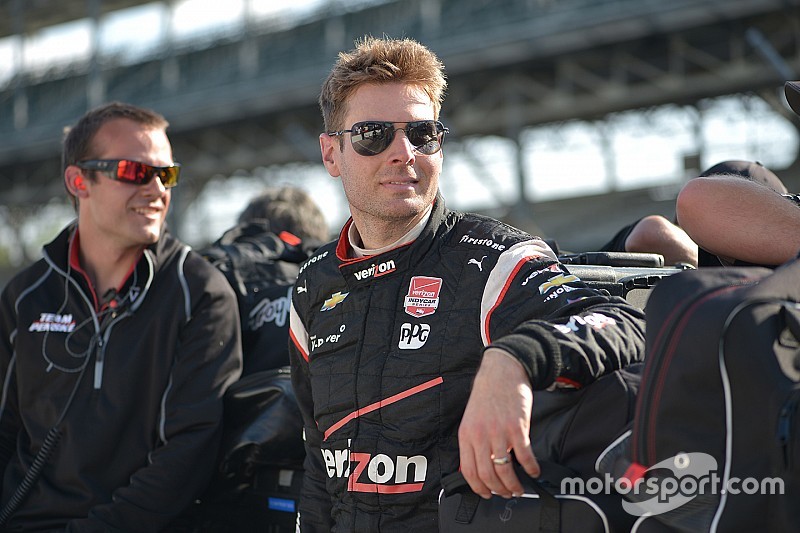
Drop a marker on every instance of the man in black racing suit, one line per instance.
(418, 337)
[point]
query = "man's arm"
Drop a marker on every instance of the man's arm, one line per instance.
(735, 218)
(497, 420)
(547, 329)
(501, 400)
(655, 234)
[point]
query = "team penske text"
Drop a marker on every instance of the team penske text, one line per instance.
(53, 322)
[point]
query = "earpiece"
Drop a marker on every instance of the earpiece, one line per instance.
(79, 184)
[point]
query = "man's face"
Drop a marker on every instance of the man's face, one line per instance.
(398, 184)
(124, 215)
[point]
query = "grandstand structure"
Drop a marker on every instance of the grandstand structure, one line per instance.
(247, 98)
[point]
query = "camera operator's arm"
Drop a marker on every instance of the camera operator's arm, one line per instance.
(656, 234)
(739, 219)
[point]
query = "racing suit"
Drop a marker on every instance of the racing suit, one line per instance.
(133, 386)
(384, 350)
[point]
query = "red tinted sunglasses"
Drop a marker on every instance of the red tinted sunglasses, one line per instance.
(133, 172)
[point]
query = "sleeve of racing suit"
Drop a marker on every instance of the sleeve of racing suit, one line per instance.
(563, 332)
(208, 360)
(315, 502)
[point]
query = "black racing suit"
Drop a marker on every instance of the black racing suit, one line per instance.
(385, 348)
(134, 387)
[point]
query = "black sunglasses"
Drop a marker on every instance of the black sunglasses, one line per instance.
(133, 172)
(372, 137)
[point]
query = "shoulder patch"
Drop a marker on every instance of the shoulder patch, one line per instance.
(313, 259)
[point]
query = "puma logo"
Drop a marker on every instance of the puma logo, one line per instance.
(479, 264)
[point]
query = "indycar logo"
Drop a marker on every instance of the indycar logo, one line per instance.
(423, 296)
(380, 473)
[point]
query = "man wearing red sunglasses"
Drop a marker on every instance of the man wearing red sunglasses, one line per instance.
(115, 348)
(419, 336)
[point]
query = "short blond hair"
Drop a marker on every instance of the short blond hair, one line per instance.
(378, 61)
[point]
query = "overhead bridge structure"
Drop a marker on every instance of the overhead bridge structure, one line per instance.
(246, 98)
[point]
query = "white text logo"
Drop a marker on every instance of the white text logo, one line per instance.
(413, 336)
(595, 321)
(270, 311)
(384, 474)
(376, 270)
(489, 243)
(312, 261)
(680, 479)
(53, 322)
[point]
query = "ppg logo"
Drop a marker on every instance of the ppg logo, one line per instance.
(413, 336)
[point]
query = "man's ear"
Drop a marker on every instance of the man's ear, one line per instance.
(75, 182)
(329, 146)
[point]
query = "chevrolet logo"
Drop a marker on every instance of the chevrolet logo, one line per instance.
(556, 281)
(333, 301)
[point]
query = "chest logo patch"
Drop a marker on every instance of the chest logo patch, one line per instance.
(53, 322)
(423, 296)
(413, 336)
(333, 301)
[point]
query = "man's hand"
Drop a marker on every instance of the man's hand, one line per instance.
(496, 422)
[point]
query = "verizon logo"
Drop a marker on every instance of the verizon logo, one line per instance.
(379, 473)
(376, 270)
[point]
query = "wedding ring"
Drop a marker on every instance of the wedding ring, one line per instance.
(501, 460)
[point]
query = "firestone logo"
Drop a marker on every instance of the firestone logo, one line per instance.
(489, 243)
(311, 261)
